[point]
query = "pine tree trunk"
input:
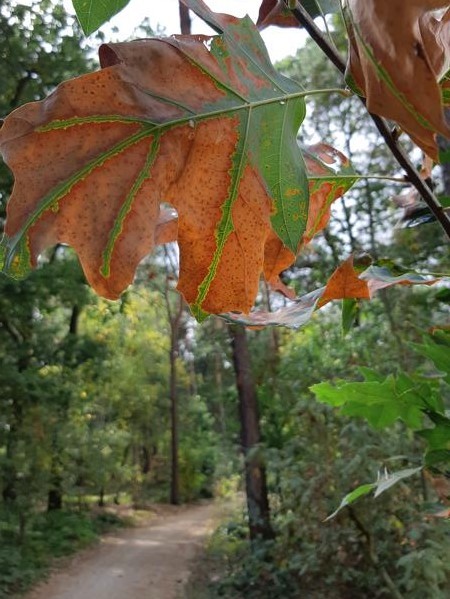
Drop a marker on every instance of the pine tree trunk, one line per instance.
(54, 501)
(175, 476)
(255, 473)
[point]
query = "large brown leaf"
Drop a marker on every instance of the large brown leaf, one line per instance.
(399, 51)
(204, 124)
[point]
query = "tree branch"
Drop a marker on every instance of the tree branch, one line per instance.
(413, 176)
(373, 556)
(14, 333)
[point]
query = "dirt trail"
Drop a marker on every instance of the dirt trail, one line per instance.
(149, 562)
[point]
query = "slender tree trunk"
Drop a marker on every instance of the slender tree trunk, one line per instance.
(255, 473)
(9, 471)
(174, 314)
(74, 318)
(175, 475)
(55, 496)
(145, 468)
(54, 501)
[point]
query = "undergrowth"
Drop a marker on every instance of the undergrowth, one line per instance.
(28, 549)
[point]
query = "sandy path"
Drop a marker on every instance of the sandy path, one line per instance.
(150, 562)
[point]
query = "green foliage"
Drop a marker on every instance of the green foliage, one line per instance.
(93, 15)
(402, 397)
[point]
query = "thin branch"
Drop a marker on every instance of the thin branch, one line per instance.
(185, 19)
(14, 333)
(305, 20)
(373, 556)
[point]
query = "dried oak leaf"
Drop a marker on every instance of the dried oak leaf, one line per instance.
(203, 124)
(275, 12)
(398, 53)
(345, 283)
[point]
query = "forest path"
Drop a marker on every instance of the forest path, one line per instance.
(149, 562)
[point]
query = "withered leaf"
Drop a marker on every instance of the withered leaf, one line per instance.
(275, 12)
(399, 51)
(204, 124)
(346, 282)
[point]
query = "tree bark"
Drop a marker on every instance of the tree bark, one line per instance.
(255, 473)
(174, 316)
(54, 501)
(55, 495)
(175, 474)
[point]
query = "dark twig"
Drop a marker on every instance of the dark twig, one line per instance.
(373, 556)
(412, 175)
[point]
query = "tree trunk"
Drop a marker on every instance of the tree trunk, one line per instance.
(174, 316)
(175, 475)
(54, 501)
(55, 496)
(255, 473)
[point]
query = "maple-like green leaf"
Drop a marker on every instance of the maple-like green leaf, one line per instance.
(381, 404)
(204, 124)
(350, 311)
(437, 349)
(92, 14)
(437, 438)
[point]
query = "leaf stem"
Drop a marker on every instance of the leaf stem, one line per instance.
(364, 177)
(413, 176)
(329, 90)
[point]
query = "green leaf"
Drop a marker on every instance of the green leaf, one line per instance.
(437, 349)
(371, 375)
(443, 295)
(316, 8)
(352, 497)
(92, 14)
(350, 311)
(438, 437)
(444, 201)
(384, 482)
(438, 457)
(381, 404)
